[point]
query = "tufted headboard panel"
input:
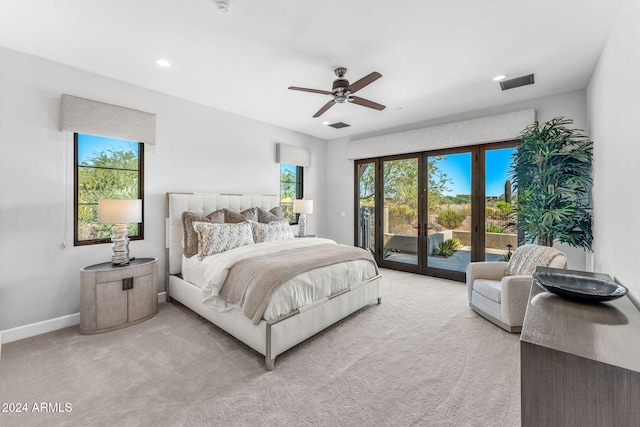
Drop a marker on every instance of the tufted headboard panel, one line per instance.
(203, 204)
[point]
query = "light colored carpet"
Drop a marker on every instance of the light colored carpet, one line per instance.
(422, 357)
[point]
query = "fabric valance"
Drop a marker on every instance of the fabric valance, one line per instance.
(98, 118)
(501, 127)
(292, 155)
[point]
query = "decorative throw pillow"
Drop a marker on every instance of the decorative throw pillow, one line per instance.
(266, 216)
(233, 217)
(190, 237)
(215, 238)
(276, 230)
(250, 214)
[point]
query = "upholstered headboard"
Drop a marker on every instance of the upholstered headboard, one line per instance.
(203, 204)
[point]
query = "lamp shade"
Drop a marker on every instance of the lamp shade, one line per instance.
(303, 206)
(119, 211)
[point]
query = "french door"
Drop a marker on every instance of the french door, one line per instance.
(434, 212)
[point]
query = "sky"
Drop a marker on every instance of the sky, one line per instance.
(88, 145)
(458, 169)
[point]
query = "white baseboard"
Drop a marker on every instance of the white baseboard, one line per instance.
(162, 297)
(33, 329)
(27, 331)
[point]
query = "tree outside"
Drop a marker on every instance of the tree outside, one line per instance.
(288, 191)
(104, 173)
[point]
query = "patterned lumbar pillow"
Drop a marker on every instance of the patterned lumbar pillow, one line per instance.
(190, 237)
(276, 230)
(267, 216)
(215, 238)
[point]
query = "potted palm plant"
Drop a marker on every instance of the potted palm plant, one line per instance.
(551, 173)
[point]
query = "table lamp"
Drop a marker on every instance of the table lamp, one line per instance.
(302, 207)
(119, 212)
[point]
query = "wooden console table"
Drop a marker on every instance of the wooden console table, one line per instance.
(580, 363)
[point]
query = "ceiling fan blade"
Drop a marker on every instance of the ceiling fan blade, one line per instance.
(356, 86)
(366, 103)
(304, 89)
(325, 108)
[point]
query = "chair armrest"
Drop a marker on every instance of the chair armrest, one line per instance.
(514, 296)
(484, 270)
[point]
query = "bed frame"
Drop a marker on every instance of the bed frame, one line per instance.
(267, 338)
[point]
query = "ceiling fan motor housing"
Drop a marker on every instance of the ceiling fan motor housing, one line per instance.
(340, 86)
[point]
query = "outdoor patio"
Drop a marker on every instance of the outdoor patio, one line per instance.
(456, 262)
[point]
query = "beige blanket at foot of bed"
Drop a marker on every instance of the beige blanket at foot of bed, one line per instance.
(251, 282)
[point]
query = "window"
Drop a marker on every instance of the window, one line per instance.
(290, 189)
(104, 168)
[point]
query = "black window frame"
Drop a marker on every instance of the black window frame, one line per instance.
(140, 235)
(299, 186)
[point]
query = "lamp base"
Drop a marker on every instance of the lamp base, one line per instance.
(120, 247)
(302, 225)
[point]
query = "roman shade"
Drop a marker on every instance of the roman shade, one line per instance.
(98, 118)
(292, 155)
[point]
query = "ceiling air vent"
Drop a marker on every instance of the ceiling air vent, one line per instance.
(517, 82)
(339, 125)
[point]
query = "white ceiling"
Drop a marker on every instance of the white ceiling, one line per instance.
(437, 58)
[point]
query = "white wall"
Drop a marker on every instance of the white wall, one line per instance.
(198, 149)
(340, 174)
(613, 97)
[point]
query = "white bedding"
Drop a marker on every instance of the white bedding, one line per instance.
(211, 272)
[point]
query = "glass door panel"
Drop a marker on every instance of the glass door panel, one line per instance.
(400, 223)
(501, 235)
(366, 220)
(449, 222)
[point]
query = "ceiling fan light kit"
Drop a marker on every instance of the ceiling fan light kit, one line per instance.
(342, 91)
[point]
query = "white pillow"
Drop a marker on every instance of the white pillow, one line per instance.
(215, 238)
(275, 230)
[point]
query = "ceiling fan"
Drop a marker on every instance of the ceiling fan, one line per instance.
(343, 91)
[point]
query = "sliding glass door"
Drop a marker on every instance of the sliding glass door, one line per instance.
(450, 219)
(365, 205)
(400, 213)
(435, 212)
(500, 231)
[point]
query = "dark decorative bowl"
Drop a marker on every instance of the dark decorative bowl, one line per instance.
(579, 287)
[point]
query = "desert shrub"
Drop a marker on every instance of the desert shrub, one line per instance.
(504, 207)
(386, 253)
(492, 213)
(447, 248)
(401, 218)
(450, 219)
(506, 257)
(493, 228)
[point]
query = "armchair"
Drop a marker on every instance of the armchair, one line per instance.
(499, 291)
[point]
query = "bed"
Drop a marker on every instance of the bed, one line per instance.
(283, 330)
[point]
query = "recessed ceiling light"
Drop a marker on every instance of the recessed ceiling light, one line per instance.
(163, 63)
(499, 78)
(325, 123)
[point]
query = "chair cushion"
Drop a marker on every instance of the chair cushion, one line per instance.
(490, 289)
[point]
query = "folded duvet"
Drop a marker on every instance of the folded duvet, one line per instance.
(252, 281)
(272, 279)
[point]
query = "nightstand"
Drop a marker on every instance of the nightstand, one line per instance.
(114, 297)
